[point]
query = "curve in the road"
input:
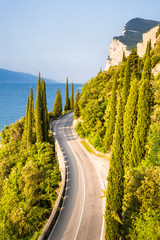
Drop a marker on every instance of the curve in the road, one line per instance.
(81, 215)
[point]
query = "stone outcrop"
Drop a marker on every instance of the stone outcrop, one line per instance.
(156, 69)
(150, 35)
(116, 53)
(131, 35)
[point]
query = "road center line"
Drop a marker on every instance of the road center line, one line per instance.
(84, 188)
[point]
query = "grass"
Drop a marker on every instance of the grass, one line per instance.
(90, 150)
(87, 147)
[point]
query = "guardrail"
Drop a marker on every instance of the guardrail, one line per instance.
(54, 215)
(55, 212)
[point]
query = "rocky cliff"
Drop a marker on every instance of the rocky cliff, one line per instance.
(115, 53)
(150, 35)
(131, 35)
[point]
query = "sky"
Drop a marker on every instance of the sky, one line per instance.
(64, 38)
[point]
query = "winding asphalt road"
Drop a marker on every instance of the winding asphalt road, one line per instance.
(81, 215)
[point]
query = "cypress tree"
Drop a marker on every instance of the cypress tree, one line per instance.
(124, 57)
(38, 113)
(148, 49)
(30, 119)
(66, 107)
(114, 194)
(76, 106)
(45, 118)
(26, 121)
(27, 109)
(126, 82)
(57, 109)
(111, 117)
(143, 117)
(72, 98)
(130, 119)
(134, 59)
(69, 104)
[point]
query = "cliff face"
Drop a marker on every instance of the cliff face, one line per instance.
(156, 69)
(131, 35)
(115, 53)
(151, 35)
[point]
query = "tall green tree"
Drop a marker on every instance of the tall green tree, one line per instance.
(38, 112)
(130, 119)
(134, 59)
(72, 98)
(76, 106)
(124, 57)
(110, 117)
(45, 118)
(26, 120)
(126, 82)
(148, 49)
(143, 117)
(114, 194)
(57, 109)
(66, 107)
(30, 119)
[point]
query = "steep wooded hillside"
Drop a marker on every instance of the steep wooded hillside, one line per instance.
(120, 111)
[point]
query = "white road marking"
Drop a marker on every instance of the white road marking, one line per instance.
(63, 199)
(84, 188)
(103, 222)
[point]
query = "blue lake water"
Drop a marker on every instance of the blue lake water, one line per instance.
(13, 99)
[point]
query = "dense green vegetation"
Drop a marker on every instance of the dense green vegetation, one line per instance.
(120, 111)
(57, 109)
(29, 173)
(114, 195)
(67, 100)
(69, 103)
(76, 106)
(72, 98)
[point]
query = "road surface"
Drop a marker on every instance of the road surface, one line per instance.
(81, 215)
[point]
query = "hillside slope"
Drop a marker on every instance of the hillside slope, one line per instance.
(120, 113)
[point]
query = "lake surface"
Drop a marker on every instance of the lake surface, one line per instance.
(13, 99)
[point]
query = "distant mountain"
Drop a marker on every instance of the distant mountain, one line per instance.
(7, 76)
(133, 30)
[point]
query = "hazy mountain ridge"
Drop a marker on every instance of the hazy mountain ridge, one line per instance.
(7, 76)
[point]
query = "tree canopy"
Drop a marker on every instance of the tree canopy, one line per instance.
(29, 173)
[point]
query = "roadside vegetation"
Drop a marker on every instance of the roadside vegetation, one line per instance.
(120, 111)
(69, 103)
(29, 173)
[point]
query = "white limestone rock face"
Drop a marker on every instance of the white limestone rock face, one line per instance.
(150, 35)
(132, 34)
(156, 69)
(116, 53)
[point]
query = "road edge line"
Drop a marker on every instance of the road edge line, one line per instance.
(48, 228)
(100, 179)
